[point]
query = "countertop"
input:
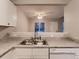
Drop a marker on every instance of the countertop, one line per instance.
(8, 43)
(54, 43)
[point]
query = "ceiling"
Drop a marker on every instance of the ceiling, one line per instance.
(47, 8)
(45, 11)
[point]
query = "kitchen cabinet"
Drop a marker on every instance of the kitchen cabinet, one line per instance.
(12, 14)
(8, 15)
(62, 56)
(31, 53)
(3, 12)
(64, 53)
(40, 53)
(43, 53)
(23, 53)
(9, 55)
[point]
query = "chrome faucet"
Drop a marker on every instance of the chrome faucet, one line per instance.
(36, 36)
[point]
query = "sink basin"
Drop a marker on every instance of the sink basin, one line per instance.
(36, 42)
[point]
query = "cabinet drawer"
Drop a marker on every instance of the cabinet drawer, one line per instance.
(65, 50)
(62, 56)
(22, 51)
(40, 51)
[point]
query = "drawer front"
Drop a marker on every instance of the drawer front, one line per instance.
(40, 51)
(67, 50)
(62, 56)
(23, 51)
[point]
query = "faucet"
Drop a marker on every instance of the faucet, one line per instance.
(36, 36)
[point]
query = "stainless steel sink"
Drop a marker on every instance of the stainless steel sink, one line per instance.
(34, 42)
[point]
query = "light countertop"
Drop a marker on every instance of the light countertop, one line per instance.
(54, 42)
(8, 43)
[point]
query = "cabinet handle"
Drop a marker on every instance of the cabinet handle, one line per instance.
(8, 23)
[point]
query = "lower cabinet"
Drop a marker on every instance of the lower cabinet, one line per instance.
(62, 56)
(40, 53)
(43, 53)
(64, 53)
(9, 55)
(31, 53)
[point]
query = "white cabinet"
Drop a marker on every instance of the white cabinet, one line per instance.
(3, 12)
(23, 53)
(7, 13)
(62, 56)
(31, 53)
(43, 53)
(64, 53)
(40, 53)
(12, 14)
(9, 55)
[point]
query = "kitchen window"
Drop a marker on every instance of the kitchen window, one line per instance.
(39, 27)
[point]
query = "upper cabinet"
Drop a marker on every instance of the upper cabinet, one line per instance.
(3, 12)
(8, 13)
(12, 14)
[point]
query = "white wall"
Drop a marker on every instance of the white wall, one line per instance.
(22, 22)
(49, 26)
(71, 15)
(53, 26)
(4, 30)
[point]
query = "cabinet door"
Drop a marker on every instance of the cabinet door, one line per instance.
(23, 53)
(9, 55)
(62, 56)
(40, 53)
(68, 53)
(8, 14)
(3, 12)
(12, 14)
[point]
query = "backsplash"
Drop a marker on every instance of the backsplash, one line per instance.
(42, 34)
(4, 30)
